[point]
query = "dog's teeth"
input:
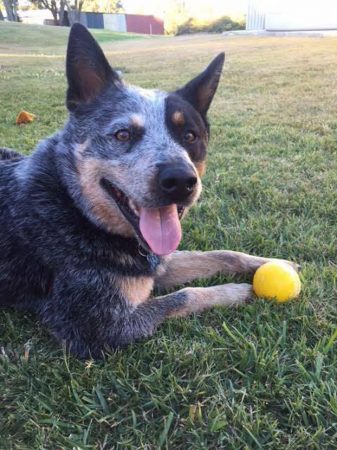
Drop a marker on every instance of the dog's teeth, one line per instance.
(124, 202)
(133, 207)
(181, 210)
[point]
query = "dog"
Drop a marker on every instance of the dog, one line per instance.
(91, 221)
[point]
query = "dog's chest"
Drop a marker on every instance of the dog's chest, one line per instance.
(136, 290)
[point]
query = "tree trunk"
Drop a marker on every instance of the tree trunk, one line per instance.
(54, 10)
(11, 10)
(80, 6)
(74, 11)
(71, 16)
(61, 13)
(15, 10)
(56, 20)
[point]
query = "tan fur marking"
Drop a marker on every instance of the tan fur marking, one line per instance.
(90, 171)
(137, 120)
(183, 267)
(205, 138)
(201, 168)
(205, 94)
(178, 118)
(199, 299)
(136, 289)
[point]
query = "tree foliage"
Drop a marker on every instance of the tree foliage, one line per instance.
(66, 12)
(74, 8)
(220, 25)
(54, 6)
(105, 6)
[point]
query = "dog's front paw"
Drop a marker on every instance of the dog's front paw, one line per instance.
(233, 294)
(244, 293)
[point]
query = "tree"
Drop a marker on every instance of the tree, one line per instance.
(74, 9)
(67, 12)
(64, 12)
(176, 13)
(54, 6)
(105, 6)
(11, 7)
(112, 6)
(115, 6)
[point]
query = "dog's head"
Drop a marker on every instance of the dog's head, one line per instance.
(138, 154)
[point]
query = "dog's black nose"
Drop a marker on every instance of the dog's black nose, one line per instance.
(177, 182)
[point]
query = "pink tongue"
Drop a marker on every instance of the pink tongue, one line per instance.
(161, 228)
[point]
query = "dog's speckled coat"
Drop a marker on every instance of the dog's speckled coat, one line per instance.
(66, 250)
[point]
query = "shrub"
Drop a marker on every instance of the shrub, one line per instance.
(224, 23)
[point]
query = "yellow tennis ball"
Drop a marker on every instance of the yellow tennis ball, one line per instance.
(276, 280)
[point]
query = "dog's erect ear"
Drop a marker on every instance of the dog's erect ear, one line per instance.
(200, 91)
(88, 71)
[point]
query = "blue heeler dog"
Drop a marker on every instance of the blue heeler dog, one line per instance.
(90, 222)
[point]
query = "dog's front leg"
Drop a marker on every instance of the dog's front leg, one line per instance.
(195, 300)
(91, 311)
(182, 267)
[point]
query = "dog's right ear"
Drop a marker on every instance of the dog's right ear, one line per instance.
(88, 71)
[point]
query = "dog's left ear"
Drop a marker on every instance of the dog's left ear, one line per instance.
(88, 71)
(200, 91)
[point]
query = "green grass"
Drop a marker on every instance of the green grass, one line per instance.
(15, 37)
(259, 377)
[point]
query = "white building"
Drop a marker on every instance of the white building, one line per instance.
(291, 15)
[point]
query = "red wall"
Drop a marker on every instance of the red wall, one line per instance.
(144, 24)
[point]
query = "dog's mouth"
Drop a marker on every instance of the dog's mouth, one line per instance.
(158, 229)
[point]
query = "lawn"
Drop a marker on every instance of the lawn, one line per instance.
(258, 377)
(41, 39)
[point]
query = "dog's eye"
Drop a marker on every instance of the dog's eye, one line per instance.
(123, 135)
(190, 137)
